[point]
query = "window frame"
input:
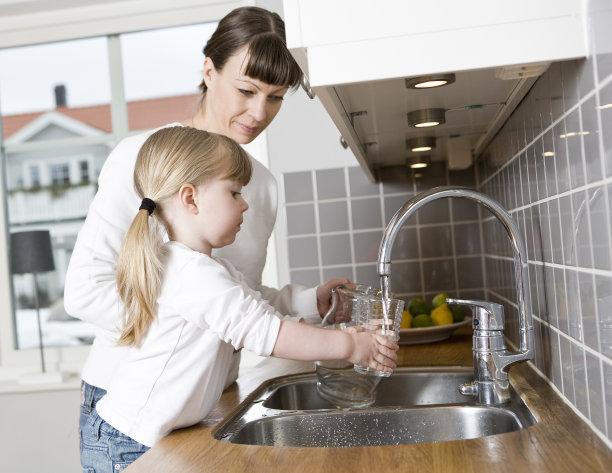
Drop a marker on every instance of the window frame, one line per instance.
(82, 23)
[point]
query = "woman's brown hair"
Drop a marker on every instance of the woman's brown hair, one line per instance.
(268, 58)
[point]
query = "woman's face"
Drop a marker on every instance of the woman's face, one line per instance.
(235, 105)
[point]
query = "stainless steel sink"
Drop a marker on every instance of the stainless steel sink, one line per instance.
(412, 406)
(405, 388)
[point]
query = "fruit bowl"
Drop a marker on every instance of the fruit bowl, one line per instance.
(413, 336)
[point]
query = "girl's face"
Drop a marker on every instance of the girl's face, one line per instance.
(235, 105)
(219, 213)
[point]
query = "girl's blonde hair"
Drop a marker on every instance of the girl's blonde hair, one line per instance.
(168, 159)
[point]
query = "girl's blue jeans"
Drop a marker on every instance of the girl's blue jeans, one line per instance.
(103, 448)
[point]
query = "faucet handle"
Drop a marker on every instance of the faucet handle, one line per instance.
(487, 316)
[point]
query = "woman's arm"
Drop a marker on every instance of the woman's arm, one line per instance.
(298, 341)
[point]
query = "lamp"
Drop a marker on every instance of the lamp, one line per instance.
(31, 253)
(421, 143)
(429, 81)
(426, 117)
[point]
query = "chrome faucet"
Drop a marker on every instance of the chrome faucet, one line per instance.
(491, 358)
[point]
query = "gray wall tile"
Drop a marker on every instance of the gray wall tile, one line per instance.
(333, 216)
(303, 252)
(469, 273)
(439, 276)
(301, 219)
(306, 277)
(600, 226)
(574, 150)
(366, 246)
(595, 392)
(603, 288)
(590, 138)
(335, 249)
(338, 272)
(406, 244)
(437, 211)
(406, 278)
(467, 239)
(435, 241)
(298, 186)
(365, 213)
(360, 185)
(330, 184)
(605, 112)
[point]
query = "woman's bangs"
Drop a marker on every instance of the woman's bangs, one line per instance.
(270, 62)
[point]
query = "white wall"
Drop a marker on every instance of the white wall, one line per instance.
(39, 432)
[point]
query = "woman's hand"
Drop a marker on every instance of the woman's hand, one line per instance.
(373, 350)
(324, 292)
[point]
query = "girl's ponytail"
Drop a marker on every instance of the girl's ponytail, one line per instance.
(139, 274)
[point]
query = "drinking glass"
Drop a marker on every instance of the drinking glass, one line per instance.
(382, 316)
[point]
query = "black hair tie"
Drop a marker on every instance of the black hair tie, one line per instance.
(148, 205)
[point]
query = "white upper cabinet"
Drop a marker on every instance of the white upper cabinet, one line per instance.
(358, 53)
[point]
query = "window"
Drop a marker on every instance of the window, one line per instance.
(34, 176)
(84, 172)
(60, 174)
(161, 64)
(58, 128)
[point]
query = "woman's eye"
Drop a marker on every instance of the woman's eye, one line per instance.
(245, 92)
(277, 98)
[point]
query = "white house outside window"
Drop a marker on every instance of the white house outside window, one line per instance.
(57, 150)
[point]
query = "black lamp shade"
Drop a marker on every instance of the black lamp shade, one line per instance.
(31, 252)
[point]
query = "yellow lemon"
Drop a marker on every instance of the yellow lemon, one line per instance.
(406, 320)
(442, 315)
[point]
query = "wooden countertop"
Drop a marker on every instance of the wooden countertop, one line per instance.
(560, 441)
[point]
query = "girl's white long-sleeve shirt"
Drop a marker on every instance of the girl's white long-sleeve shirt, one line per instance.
(205, 310)
(90, 286)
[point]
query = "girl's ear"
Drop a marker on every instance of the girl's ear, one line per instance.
(187, 197)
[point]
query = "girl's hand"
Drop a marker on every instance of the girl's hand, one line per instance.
(373, 350)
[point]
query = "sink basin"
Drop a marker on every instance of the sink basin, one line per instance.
(372, 427)
(405, 388)
(412, 406)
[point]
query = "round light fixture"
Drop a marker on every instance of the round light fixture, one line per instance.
(426, 117)
(418, 162)
(421, 143)
(429, 81)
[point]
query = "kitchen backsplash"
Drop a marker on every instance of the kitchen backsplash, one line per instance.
(335, 220)
(551, 167)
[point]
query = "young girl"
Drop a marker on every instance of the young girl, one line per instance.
(186, 311)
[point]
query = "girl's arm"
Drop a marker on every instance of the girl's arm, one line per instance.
(298, 341)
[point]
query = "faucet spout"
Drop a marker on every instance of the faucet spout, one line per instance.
(505, 359)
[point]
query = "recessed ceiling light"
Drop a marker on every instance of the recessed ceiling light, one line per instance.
(548, 154)
(418, 162)
(421, 143)
(429, 81)
(426, 117)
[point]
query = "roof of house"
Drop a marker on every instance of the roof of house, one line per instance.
(142, 114)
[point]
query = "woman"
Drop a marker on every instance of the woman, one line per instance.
(247, 72)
